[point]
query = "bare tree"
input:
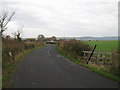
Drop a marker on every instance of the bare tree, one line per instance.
(14, 34)
(17, 35)
(5, 18)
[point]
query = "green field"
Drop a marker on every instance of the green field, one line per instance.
(103, 46)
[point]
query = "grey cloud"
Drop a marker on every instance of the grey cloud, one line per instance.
(30, 21)
(68, 17)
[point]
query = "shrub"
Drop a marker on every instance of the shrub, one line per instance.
(11, 46)
(28, 46)
(73, 47)
(115, 67)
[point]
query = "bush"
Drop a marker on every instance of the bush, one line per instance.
(14, 47)
(11, 46)
(28, 46)
(115, 67)
(73, 47)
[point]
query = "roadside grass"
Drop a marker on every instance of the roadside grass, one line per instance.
(90, 67)
(9, 72)
(103, 46)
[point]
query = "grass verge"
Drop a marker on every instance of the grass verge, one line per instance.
(9, 72)
(89, 66)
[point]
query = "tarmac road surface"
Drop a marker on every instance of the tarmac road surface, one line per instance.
(45, 68)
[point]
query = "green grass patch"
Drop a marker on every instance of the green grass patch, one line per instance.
(90, 67)
(10, 70)
(103, 46)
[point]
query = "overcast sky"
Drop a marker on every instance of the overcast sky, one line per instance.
(63, 17)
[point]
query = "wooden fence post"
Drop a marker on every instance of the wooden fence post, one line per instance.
(91, 54)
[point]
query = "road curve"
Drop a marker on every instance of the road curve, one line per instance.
(45, 68)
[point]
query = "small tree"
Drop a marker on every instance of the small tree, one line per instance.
(53, 38)
(18, 36)
(40, 37)
(18, 33)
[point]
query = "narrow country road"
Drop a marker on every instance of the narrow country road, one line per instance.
(45, 68)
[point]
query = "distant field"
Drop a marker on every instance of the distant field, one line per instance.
(104, 46)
